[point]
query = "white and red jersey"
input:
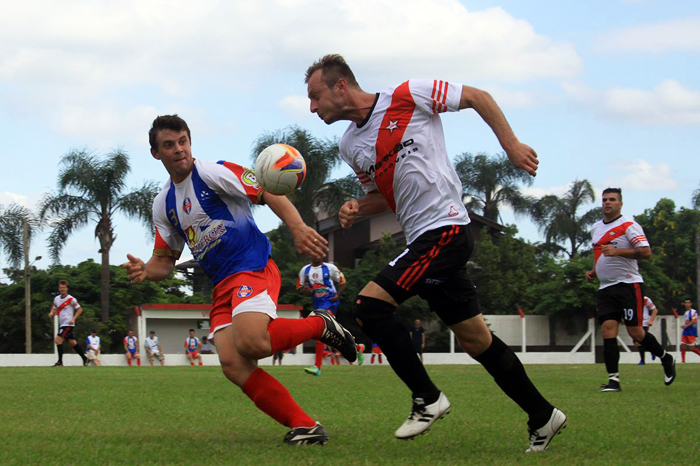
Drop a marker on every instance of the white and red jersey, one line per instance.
(649, 307)
(400, 150)
(131, 343)
(321, 279)
(192, 344)
(690, 316)
(65, 309)
(622, 233)
(210, 211)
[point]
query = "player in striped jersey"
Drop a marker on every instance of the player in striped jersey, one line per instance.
(690, 330)
(618, 243)
(206, 206)
(395, 144)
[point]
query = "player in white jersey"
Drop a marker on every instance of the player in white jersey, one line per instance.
(93, 346)
(192, 347)
(650, 313)
(396, 145)
(206, 205)
(68, 310)
(618, 243)
(153, 349)
(690, 330)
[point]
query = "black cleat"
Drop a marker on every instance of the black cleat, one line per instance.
(611, 386)
(86, 362)
(315, 435)
(669, 364)
(58, 364)
(336, 336)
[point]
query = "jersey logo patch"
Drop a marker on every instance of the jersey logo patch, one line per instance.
(248, 178)
(392, 126)
(244, 291)
(453, 212)
(187, 205)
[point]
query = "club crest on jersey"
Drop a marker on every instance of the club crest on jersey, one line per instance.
(244, 291)
(248, 178)
(187, 205)
(392, 126)
(453, 212)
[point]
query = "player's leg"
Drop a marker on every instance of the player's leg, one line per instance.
(78, 349)
(138, 359)
(199, 359)
(632, 316)
(683, 351)
(318, 360)
(268, 394)
(609, 326)
(128, 357)
(59, 348)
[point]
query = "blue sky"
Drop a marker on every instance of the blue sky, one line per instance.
(603, 90)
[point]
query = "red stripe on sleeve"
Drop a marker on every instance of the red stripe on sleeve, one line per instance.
(254, 192)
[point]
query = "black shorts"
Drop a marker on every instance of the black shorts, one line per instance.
(66, 333)
(418, 347)
(624, 301)
(434, 267)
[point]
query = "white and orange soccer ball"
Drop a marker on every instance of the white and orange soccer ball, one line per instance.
(280, 169)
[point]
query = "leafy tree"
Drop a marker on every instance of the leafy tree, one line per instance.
(670, 274)
(12, 220)
(557, 217)
(491, 182)
(93, 189)
(84, 280)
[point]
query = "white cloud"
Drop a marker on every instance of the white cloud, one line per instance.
(295, 106)
(669, 103)
(31, 201)
(99, 63)
(640, 175)
(676, 35)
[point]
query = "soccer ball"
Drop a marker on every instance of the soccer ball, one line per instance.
(280, 169)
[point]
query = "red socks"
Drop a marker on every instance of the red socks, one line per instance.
(273, 399)
(129, 361)
(683, 355)
(288, 333)
(319, 354)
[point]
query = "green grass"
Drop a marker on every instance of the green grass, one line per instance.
(183, 415)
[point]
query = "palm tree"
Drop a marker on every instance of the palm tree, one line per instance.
(18, 226)
(557, 217)
(91, 189)
(490, 182)
(317, 192)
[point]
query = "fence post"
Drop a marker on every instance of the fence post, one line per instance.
(452, 341)
(678, 333)
(523, 329)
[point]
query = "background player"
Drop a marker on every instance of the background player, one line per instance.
(618, 243)
(376, 351)
(68, 310)
(93, 344)
(153, 349)
(318, 280)
(396, 146)
(690, 330)
(192, 347)
(131, 348)
(206, 205)
(650, 313)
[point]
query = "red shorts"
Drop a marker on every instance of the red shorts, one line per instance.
(194, 354)
(689, 340)
(376, 350)
(245, 292)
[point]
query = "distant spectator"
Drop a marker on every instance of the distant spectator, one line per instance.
(131, 348)
(192, 347)
(418, 337)
(153, 349)
(94, 348)
(207, 347)
(376, 351)
(277, 357)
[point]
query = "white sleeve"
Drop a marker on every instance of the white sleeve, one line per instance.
(168, 241)
(232, 180)
(336, 275)
(75, 304)
(301, 279)
(635, 235)
(435, 96)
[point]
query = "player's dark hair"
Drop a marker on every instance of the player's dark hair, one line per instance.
(617, 191)
(333, 67)
(191, 330)
(171, 122)
(63, 282)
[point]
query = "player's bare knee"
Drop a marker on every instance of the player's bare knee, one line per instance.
(254, 348)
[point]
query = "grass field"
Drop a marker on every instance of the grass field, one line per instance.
(193, 416)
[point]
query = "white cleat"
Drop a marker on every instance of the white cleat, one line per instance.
(422, 417)
(540, 438)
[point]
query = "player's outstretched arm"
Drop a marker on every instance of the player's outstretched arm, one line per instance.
(521, 155)
(306, 239)
(370, 204)
(157, 268)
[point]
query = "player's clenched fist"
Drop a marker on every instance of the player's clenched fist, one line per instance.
(348, 212)
(135, 269)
